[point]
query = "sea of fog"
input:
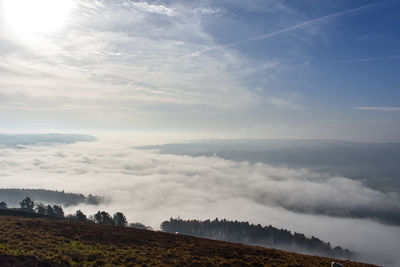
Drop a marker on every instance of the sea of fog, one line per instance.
(150, 187)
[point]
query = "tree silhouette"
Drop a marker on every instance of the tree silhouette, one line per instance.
(3, 205)
(80, 217)
(103, 217)
(27, 204)
(40, 208)
(120, 219)
(58, 211)
(50, 211)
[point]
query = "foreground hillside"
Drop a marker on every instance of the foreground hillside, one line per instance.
(56, 242)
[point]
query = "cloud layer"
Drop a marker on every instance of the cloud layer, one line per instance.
(151, 187)
(382, 109)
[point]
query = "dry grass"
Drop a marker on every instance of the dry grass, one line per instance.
(64, 243)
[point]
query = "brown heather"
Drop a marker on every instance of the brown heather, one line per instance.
(56, 242)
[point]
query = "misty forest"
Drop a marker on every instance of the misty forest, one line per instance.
(243, 232)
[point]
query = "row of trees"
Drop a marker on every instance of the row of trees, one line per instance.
(243, 232)
(28, 205)
(103, 217)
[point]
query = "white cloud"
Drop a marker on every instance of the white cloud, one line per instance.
(152, 8)
(209, 10)
(118, 56)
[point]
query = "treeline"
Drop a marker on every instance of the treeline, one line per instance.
(28, 206)
(12, 196)
(244, 232)
(103, 217)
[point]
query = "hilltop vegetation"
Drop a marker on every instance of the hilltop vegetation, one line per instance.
(231, 231)
(67, 243)
(243, 232)
(29, 209)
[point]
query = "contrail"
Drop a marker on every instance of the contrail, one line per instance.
(272, 34)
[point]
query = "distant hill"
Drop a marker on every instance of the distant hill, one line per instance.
(51, 138)
(55, 242)
(13, 196)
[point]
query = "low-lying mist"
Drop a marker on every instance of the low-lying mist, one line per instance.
(375, 164)
(149, 187)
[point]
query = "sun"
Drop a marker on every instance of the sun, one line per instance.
(27, 17)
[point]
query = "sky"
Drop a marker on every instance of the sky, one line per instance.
(227, 68)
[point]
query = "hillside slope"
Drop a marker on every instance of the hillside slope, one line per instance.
(55, 242)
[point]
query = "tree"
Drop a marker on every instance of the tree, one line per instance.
(27, 204)
(40, 208)
(98, 218)
(58, 211)
(80, 217)
(50, 211)
(120, 219)
(3, 205)
(103, 217)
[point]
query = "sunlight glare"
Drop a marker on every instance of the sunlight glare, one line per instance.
(25, 17)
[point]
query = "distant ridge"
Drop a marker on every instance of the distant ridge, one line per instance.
(12, 196)
(49, 138)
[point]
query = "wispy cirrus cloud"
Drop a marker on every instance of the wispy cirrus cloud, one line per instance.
(134, 50)
(121, 49)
